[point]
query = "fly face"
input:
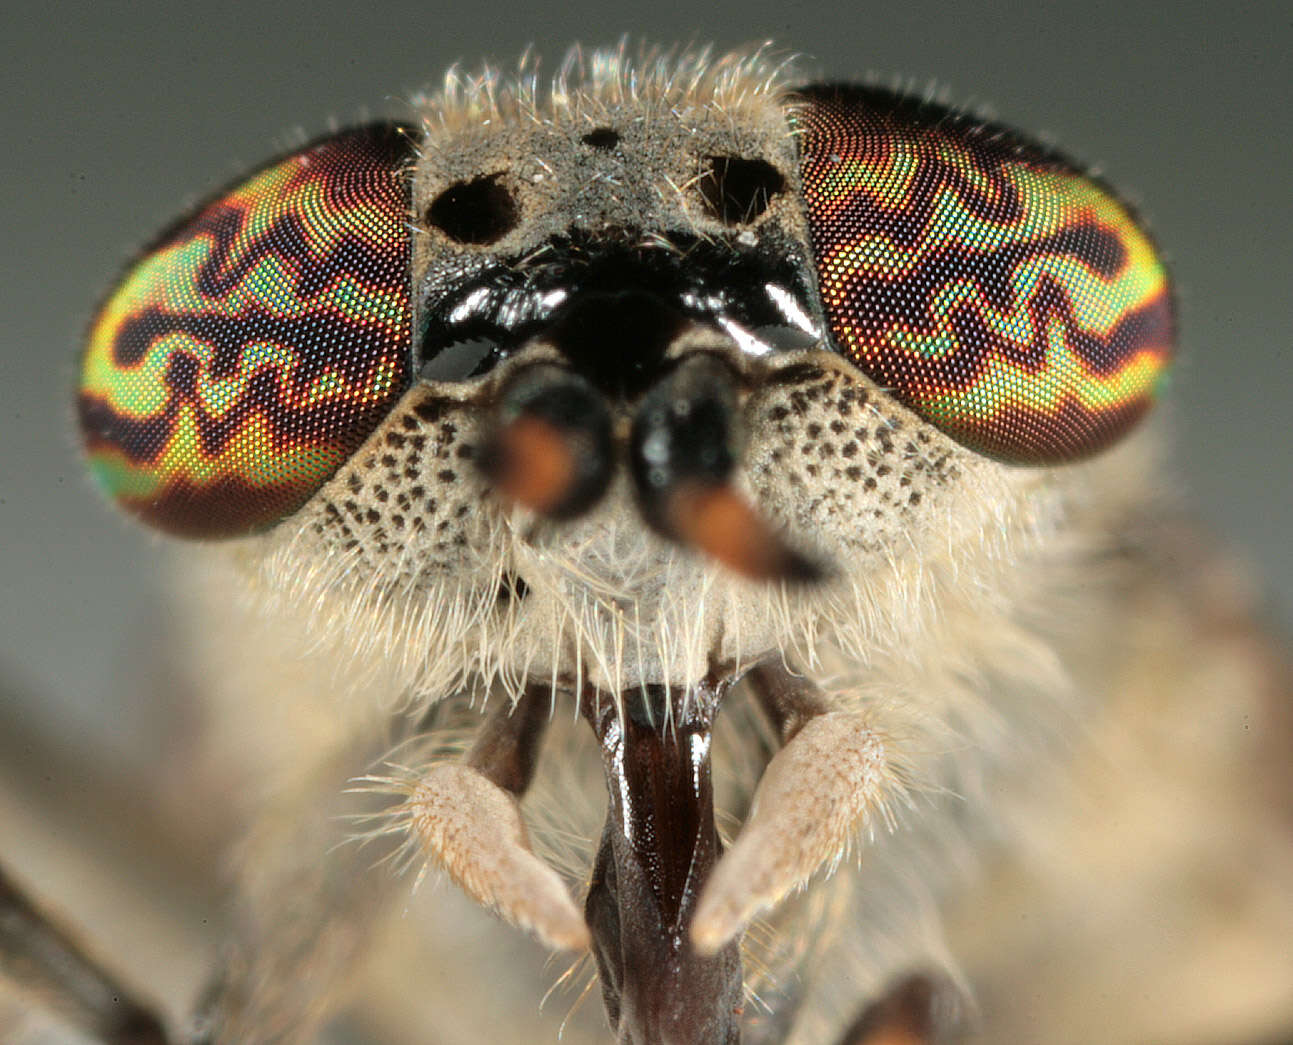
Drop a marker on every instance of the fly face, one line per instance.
(621, 394)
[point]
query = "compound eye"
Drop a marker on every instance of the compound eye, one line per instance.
(251, 349)
(987, 283)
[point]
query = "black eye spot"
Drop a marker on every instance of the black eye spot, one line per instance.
(476, 211)
(736, 191)
(602, 138)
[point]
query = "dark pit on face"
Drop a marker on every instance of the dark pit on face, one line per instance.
(736, 190)
(604, 138)
(476, 212)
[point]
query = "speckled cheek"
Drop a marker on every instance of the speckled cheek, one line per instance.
(844, 467)
(407, 508)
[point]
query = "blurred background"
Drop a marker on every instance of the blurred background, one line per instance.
(115, 117)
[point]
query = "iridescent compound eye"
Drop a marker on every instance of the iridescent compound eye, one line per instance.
(251, 349)
(1005, 297)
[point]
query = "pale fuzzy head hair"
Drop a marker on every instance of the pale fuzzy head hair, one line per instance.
(589, 83)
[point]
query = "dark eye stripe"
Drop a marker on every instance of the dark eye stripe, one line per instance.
(255, 345)
(988, 284)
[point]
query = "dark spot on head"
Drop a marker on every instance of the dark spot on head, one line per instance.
(602, 138)
(736, 190)
(477, 212)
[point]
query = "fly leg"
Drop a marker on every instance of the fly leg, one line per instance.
(49, 965)
(916, 1010)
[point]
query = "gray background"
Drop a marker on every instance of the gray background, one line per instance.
(116, 116)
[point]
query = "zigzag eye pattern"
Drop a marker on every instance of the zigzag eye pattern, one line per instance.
(1005, 297)
(256, 344)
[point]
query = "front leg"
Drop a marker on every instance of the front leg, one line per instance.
(48, 965)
